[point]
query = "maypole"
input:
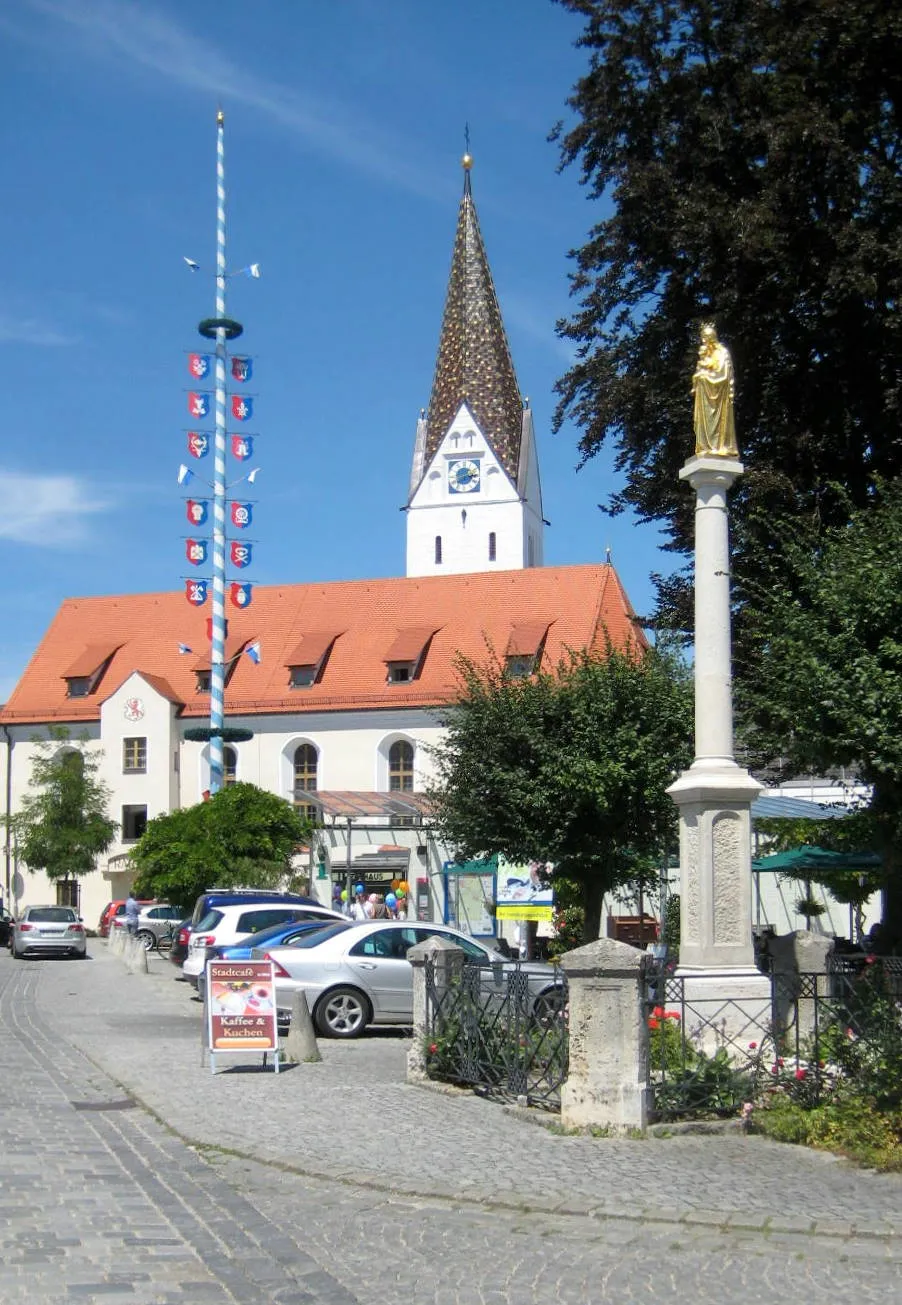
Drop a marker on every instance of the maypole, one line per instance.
(220, 329)
(217, 628)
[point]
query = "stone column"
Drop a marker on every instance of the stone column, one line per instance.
(448, 961)
(714, 795)
(607, 1085)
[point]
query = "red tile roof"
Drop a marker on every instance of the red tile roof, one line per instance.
(312, 648)
(409, 643)
(89, 660)
(579, 604)
(526, 639)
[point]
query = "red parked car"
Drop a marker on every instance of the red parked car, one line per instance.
(110, 911)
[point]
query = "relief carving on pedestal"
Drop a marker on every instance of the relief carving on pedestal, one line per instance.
(726, 832)
(691, 908)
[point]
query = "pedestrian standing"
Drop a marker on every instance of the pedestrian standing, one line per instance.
(132, 911)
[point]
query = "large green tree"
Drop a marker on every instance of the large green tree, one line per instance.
(243, 837)
(746, 159)
(827, 687)
(62, 825)
(569, 767)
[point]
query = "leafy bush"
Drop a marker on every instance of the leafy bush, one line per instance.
(848, 1124)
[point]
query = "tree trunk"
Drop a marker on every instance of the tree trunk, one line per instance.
(593, 897)
(892, 904)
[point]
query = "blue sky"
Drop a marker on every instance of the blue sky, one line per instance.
(344, 130)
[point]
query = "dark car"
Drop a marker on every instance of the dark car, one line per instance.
(179, 949)
(214, 897)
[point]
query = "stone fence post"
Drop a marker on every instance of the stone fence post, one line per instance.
(448, 963)
(608, 1082)
(792, 955)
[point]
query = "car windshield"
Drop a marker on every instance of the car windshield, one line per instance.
(210, 921)
(52, 914)
(278, 931)
(316, 936)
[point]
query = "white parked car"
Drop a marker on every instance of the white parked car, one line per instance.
(223, 925)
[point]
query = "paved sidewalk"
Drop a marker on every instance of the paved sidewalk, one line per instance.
(354, 1118)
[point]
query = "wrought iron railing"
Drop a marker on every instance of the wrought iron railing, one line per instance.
(710, 1054)
(499, 1029)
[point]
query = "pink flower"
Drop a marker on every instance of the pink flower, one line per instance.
(800, 1074)
(433, 1048)
(753, 1046)
(870, 959)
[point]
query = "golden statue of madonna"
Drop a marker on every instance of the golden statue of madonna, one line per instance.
(712, 386)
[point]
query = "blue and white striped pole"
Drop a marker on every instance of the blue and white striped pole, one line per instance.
(218, 624)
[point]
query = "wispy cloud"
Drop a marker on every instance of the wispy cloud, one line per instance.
(50, 511)
(524, 317)
(30, 330)
(139, 33)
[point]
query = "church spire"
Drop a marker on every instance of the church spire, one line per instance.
(474, 364)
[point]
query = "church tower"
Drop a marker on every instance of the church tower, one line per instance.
(475, 500)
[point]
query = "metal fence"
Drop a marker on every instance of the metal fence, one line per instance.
(710, 1055)
(499, 1029)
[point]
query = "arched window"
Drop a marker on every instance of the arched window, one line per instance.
(438, 550)
(229, 766)
(492, 546)
(400, 767)
(306, 761)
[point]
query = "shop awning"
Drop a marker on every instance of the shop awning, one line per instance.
(348, 804)
(806, 860)
(773, 807)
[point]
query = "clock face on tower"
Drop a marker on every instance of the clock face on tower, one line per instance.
(463, 476)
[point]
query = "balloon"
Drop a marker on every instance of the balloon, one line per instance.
(358, 888)
(395, 883)
(404, 886)
(344, 894)
(402, 897)
(390, 899)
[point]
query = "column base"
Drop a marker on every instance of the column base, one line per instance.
(728, 1006)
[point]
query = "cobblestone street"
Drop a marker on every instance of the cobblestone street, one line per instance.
(133, 1174)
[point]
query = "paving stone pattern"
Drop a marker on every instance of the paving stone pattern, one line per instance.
(132, 1173)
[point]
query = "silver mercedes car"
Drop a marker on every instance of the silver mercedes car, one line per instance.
(360, 975)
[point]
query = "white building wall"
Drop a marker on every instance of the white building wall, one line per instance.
(352, 754)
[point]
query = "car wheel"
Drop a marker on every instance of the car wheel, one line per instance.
(549, 1004)
(17, 955)
(342, 1013)
(146, 939)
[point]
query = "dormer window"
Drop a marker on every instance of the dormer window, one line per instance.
(203, 669)
(86, 672)
(307, 660)
(523, 654)
(405, 658)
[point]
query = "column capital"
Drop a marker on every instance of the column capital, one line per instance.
(709, 469)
